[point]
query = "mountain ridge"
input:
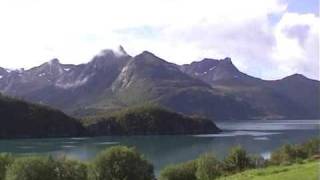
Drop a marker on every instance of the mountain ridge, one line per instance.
(212, 88)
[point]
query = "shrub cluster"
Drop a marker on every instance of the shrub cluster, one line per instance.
(123, 163)
(208, 167)
(288, 154)
(117, 163)
(5, 161)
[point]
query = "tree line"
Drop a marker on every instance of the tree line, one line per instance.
(124, 163)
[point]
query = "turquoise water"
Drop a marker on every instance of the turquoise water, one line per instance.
(258, 137)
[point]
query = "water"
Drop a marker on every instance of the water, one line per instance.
(258, 137)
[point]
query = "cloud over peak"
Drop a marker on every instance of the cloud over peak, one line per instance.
(263, 37)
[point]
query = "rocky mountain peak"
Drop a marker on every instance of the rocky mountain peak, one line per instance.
(148, 57)
(119, 52)
(146, 53)
(54, 61)
(227, 59)
(295, 76)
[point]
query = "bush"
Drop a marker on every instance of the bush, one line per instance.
(71, 170)
(32, 168)
(40, 168)
(5, 161)
(184, 171)
(208, 167)
(285, 155)
(311, 147)
(237, 160)
(288, 154)
(121, 163)
(257, 161)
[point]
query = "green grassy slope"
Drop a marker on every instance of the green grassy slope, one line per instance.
(306, 171)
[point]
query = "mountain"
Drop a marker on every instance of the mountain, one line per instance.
(114, 80)
(149, 120)
(66, 86)
(292, 97)
(215, 72)
(20, 119)
(150, 79)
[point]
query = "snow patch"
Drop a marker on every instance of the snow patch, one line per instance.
(9, 70)
(1, 77)
(74, 84)
(42, 74)
(212, 68)
(66, 69)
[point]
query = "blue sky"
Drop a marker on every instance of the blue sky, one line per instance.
(269, 39)
(303, 6)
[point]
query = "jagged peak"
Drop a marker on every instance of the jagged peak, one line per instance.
(146, 55)
(206, 60)
(122, 50)
(296, 76)
(54, 61)
(118, 52)
(227, 59)
(214, 61)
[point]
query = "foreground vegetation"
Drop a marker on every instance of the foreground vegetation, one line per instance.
(208, 167)
(308, 170)
(123, 163)
(117, 163)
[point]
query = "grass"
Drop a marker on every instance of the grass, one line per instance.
(305, 171)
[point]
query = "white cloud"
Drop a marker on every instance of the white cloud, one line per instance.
(33, 31)
(297, 44)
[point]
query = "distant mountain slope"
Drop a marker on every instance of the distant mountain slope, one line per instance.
(148, 78)
(292, 97)
(113, 80)
(21, 120)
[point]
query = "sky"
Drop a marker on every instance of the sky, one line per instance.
(269, 39)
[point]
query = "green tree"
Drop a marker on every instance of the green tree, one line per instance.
(46, 168)
(71, 170)
(311, 147)
(284, 155)
(237, 160)
(32, 168)
(121, 163)
(183, 171)
(5, 161)
(208, 167)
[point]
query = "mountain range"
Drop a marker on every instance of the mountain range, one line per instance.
(114, 80)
